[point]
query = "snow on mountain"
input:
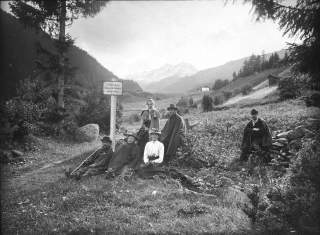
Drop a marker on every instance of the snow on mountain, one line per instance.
(167, 70)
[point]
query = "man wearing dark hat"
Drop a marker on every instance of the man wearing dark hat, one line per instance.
(256, 136)
(99, 162)
(173, 133)
(125, 157)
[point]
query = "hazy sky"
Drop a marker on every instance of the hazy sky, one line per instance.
(130, 37)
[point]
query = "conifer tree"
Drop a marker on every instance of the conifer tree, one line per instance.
(52, 17)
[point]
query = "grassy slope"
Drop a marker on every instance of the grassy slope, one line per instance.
(251, 80)
(94, 204)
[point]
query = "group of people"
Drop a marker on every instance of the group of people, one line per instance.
(150, 147)
(147, 148)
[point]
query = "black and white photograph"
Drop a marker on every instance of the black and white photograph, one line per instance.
(160, 117)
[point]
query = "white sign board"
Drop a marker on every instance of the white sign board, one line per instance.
(205, 89)
(112, 88)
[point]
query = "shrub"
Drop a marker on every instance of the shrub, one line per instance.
(217, 100)
(289, 88)
(135, 117)
(227, 94)
(97, 110)
(191, 102)
(298, 194)
(245, 90)
(207, 103)
(236, 91)
(183, 102)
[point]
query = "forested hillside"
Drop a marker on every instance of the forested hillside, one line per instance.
(19, 53)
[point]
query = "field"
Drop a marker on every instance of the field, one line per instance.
(40, 200)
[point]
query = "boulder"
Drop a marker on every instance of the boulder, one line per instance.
(88, 133)
(238, 198)
(309, 134)
(278, 144)
(297, 133)
(295, 145)
(284, 134)
(283, 141)
(16, 153)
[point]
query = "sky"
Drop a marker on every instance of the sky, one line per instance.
(129, 37)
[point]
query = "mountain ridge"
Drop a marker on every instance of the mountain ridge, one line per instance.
(19, 56)
(167, 70)
(201, 78)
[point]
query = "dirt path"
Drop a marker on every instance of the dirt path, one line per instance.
(48, 173)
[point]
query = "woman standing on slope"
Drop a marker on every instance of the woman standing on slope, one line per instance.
(150, 120)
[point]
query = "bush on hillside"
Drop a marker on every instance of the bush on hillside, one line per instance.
(207, 103)
(191, 102)
(245, 90)
(236, 91)
(217, 100)
(135, 117)
(293, 200)
(289, 88)
(97, 111)
(227, 94)
(183, 102)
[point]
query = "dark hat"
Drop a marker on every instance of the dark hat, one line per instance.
(155, 131)
(132, 134)
(172, 106)
(254, 112)
(106, 139)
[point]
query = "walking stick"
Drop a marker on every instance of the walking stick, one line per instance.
(85, 160)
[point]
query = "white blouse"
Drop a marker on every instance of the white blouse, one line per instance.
(153, 148)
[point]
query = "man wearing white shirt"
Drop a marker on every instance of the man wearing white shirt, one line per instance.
(154, 149)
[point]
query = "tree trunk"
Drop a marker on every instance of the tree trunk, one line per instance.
(62, 36)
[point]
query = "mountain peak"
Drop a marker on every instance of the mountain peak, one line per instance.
(166, 70)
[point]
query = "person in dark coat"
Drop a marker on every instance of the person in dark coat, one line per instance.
(99, 162)
(125, 157)
(173, 133)
(256, 136)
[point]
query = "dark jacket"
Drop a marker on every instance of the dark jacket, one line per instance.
(258, 134)
(173, 134)
(126, 154)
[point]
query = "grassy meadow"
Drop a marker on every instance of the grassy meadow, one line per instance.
(41, 200)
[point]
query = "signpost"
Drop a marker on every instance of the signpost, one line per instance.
(113, 88)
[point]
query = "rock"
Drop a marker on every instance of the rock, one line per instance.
(277, 207)
(295, 145)
(239, 198)
(278, 144)
(18, 159)
(262, 205)
(309, 134)
(274, 195)
(88, 133)
(283, 141)
(297, 133)
(284, 134)
(16, 153)
(313, 123)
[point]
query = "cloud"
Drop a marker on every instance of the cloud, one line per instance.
(133, 36)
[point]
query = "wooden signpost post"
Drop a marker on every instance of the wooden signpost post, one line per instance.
(113, 88)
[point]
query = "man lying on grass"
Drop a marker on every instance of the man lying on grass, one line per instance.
(125, 158)
(98, 163)
(256, 138)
